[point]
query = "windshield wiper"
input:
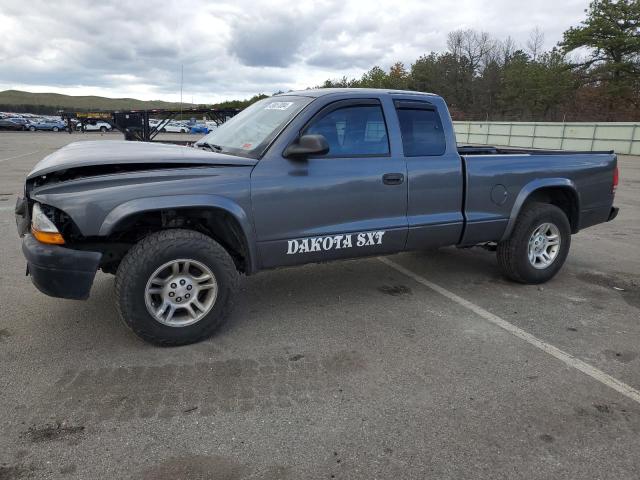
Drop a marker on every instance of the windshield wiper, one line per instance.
(211, 146)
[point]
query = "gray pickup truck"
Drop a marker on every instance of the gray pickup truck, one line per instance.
(303, 177)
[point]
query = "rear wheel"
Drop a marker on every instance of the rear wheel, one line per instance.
(32, 128)
(175, 287)
(538, 245)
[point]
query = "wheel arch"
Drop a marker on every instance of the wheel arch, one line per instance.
(560, 192)
(221, 218)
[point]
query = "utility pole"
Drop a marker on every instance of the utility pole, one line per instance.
(181, 81)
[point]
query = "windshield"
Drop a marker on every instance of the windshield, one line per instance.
(250, 131)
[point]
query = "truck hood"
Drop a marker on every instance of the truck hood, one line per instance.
(104, 153)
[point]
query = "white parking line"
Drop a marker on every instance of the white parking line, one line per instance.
(570, 360)
(20, 156)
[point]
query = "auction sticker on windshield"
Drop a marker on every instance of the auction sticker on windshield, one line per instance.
(278, 106)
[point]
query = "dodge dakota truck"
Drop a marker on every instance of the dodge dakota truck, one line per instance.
(302, 177)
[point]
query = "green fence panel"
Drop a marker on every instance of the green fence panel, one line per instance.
(622, 137)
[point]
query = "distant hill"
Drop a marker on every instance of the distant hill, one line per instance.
(49, 103)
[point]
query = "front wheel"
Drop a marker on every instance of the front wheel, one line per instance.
(103, 129)
(55, 129)
(538, 245)
(33, 129)
(175, 287)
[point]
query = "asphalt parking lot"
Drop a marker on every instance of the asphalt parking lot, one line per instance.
(359, 369)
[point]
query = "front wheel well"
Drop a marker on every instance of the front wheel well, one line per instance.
(216, 223)
(562, 197)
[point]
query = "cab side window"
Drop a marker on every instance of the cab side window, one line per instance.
(353, 131)
(422, 133)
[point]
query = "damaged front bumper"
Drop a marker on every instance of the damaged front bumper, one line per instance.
(55, 270)
(59, 271)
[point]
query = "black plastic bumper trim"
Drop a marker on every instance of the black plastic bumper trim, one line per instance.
(59, 271)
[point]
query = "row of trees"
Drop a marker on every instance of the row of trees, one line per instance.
(239, 103)
(28, 108)
(593, 74)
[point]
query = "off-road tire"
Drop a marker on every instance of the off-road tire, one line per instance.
(155, 250)
(512, 253)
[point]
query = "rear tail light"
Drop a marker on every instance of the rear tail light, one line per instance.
(616, 178)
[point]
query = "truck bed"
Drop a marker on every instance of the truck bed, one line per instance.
(498, 180)
(493, 150)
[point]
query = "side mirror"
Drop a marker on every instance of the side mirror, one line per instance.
(307, 145)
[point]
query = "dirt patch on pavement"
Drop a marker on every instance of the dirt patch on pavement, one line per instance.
(395, 290)
(211, 467)
(623, 357)
(56, 431)
(206, 388)
(628, 289)
(4, 333)
(196, 467)
(12, 472)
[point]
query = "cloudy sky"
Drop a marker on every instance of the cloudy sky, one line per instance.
(236, 48)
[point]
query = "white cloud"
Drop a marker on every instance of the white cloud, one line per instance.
(234, 49)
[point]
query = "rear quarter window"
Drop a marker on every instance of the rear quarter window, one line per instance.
(422, 133)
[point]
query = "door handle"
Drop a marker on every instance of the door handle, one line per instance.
(392, 178)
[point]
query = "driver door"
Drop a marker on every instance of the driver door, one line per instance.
(349, 202)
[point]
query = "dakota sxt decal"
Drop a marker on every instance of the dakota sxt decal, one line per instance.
(334, 242)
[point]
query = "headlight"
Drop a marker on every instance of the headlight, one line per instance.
(43, 229)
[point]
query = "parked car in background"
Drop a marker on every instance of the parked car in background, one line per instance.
(13, 124)
(199, 128)
(172, 126)
(175, 127)
(95, 127)
(158, 123)
(47, 124)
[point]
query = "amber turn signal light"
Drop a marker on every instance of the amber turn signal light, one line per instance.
(52, 238)
(43, 229)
